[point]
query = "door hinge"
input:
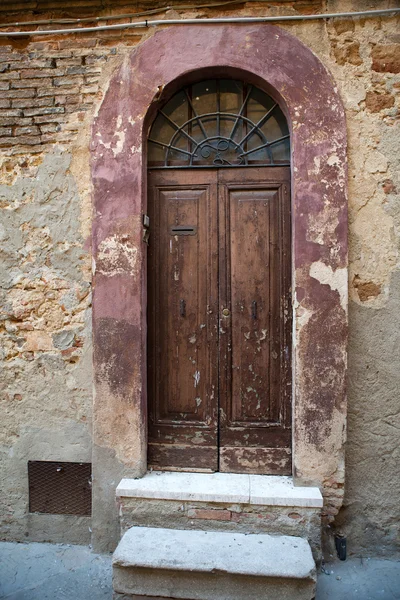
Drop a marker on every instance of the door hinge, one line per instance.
(146, 228)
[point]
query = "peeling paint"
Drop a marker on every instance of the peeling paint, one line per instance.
(337, 280)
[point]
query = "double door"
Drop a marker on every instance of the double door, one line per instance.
(219, 320)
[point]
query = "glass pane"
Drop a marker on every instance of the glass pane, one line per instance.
(275, 127)
(216, 122)
(162, 131)
(156, 154)
(231, 100)
(204, 100)
(261, 155)
(177, 109)
(281, 152)
(258, 105)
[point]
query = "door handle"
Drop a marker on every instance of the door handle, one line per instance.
(254, 310)
(182, 308)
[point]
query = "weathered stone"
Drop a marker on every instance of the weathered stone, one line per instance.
(376, 102)
(386, 59)
(213, 566)
(349, 53)
(64, 339)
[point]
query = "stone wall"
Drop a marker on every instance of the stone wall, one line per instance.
(50, 90)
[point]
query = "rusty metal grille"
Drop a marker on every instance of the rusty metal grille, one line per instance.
(62, 488)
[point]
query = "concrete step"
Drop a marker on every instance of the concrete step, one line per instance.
(208, 565)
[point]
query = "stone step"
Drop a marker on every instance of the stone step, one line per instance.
(236, 503)
(207, 565)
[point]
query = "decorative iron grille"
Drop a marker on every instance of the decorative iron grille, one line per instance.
(62, 488)
(219, 123)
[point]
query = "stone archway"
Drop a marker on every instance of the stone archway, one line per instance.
(289, 70)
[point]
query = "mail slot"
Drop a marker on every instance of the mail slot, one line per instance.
(183, 230)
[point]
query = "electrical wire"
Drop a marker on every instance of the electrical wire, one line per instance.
(144, 13)
(200, 21)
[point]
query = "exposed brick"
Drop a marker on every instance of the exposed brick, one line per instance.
(61, 100)
(42, 92)
(89, 89)
(4, 85)
(88, 43)
(52, 91)
(40, 46)
(386, 59)
(49, 119)
(40, 73)
(91, 79)
(56, 137)
(75, 107)
(27, 140)
(11, 113)
(343, 25)
(32, 102)
(50, 128)
(32, 64)
(90, 98)
(94, 51)
(4, 121)
(68, 81)
(75, 70)
(9, 75)
(24, 93)
(349, 53)
(93, 59)
(73, 61)
(11, 57)
(209, 514)
(376, 102)
(5, 103)
(30, 130)
(28, 83)
(44, 111)
(5, 131)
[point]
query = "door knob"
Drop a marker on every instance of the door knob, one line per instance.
(226, 312)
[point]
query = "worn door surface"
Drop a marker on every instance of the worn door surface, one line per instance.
(219, 319)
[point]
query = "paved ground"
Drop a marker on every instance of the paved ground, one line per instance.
(63, 572)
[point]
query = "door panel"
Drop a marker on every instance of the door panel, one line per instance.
(255, 424)
(220, 320)
(182, 325)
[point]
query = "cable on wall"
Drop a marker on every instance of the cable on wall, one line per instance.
(201, 21)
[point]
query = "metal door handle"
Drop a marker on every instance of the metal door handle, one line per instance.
(182, 308)
(254, 310)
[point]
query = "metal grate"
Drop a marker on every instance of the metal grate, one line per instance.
(62, 488)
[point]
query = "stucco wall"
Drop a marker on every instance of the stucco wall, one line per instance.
(50, 91)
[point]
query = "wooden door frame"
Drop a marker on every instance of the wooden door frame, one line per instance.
(277, 62)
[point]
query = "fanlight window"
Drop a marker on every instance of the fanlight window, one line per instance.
(219, 123)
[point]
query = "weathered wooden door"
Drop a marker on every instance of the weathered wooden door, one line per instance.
(219, 320)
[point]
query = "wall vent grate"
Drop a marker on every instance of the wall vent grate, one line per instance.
(62, 488)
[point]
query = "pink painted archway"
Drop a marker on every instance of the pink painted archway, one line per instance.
(283, 66)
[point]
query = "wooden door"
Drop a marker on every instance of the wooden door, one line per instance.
(219, 320)
(183, 320)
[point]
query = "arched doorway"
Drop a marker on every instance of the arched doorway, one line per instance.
(273, 59)
(219, 281)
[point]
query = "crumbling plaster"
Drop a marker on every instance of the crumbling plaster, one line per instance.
(371, 101)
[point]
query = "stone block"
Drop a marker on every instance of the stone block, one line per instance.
(197, 565)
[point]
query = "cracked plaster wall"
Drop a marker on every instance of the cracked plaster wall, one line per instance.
(45, 321)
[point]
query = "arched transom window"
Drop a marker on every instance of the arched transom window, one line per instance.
(219, 123)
